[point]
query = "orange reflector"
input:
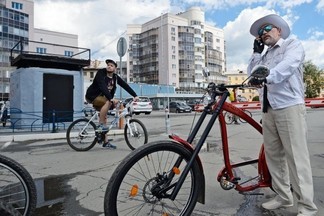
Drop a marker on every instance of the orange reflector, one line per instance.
(176, 170)
(165, 214)
(133, 191)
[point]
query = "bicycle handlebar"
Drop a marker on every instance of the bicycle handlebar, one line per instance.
(214, 90)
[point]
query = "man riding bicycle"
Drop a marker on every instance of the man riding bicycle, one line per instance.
(101, 94)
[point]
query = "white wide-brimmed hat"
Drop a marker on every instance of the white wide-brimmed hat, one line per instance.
(273, 19)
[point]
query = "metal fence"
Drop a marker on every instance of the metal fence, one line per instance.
(19, 121)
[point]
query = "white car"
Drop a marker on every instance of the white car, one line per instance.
(144, 105)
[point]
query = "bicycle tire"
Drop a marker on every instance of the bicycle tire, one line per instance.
(142, 167)
(8, 210)
(17, 187)
(228, 118)
(248, 113)
(140, 135)
(78, 141)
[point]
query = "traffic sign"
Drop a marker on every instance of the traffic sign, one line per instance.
(121, 46)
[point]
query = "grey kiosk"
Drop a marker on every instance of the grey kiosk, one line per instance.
(46, 90)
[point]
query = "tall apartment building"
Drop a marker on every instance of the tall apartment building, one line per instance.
(17, 24)
(173, 49)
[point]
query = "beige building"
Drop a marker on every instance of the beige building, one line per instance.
(173, 49)
(238, 78)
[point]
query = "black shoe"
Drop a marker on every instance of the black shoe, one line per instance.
(108, 145)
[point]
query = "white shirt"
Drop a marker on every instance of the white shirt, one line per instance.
(285, 82)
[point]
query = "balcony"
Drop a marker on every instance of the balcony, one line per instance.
(21, 55)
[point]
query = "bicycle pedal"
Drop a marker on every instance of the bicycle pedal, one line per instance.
(236, 179)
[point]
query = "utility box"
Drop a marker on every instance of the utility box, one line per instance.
(45, 88)
(44, 95)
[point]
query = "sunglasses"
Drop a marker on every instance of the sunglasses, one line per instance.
(266, 28)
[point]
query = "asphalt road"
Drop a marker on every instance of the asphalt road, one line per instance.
(74, 183)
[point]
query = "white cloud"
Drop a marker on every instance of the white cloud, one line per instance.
(320, 6)
(239, 41)
(99, 24)
(314, 50)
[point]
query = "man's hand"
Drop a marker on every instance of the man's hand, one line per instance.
(114, 101)
(254, 82)
(258, 45)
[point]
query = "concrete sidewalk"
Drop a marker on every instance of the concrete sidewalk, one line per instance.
(25, 136)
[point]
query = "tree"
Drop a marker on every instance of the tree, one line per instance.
(313, 79)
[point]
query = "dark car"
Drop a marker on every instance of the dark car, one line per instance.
(179, 107)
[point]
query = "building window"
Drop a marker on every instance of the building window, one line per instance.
(173, 38)
(197, 40)
(41, 50)
(174, 66)
(91, 74)
(16, 5)
(68, 53)
(173, 57)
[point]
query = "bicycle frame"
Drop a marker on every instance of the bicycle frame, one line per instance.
(263, 173)
(216, 108)
(118, 115)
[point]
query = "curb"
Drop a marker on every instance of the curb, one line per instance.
(44, 136)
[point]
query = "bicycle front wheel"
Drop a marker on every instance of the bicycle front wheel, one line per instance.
(144, 180)
(17, 188)
(81, 135)
(135, 135)
(248, 113)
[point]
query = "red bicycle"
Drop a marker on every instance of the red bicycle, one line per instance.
(167, 177)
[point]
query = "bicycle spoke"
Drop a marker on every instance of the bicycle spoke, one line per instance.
(81, 135)
(144, 174)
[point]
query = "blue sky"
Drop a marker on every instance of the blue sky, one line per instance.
(99, 23)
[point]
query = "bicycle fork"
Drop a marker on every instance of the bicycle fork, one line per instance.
(131, 129)
(201, 141)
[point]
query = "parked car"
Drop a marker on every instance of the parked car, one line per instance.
(179, 107)
(143, 105)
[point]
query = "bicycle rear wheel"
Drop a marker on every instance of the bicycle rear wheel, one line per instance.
(17, 188)
(229, 117)
(136, 186)
(139, 132)
(248, 113)
(81, 135)
(8, 210)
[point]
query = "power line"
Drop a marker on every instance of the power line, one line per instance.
(94, 52)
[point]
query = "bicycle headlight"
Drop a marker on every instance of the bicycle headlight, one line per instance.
(206, 99)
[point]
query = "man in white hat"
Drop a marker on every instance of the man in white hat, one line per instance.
(284, 113)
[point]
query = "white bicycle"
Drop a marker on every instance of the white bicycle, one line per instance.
(83, 134)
